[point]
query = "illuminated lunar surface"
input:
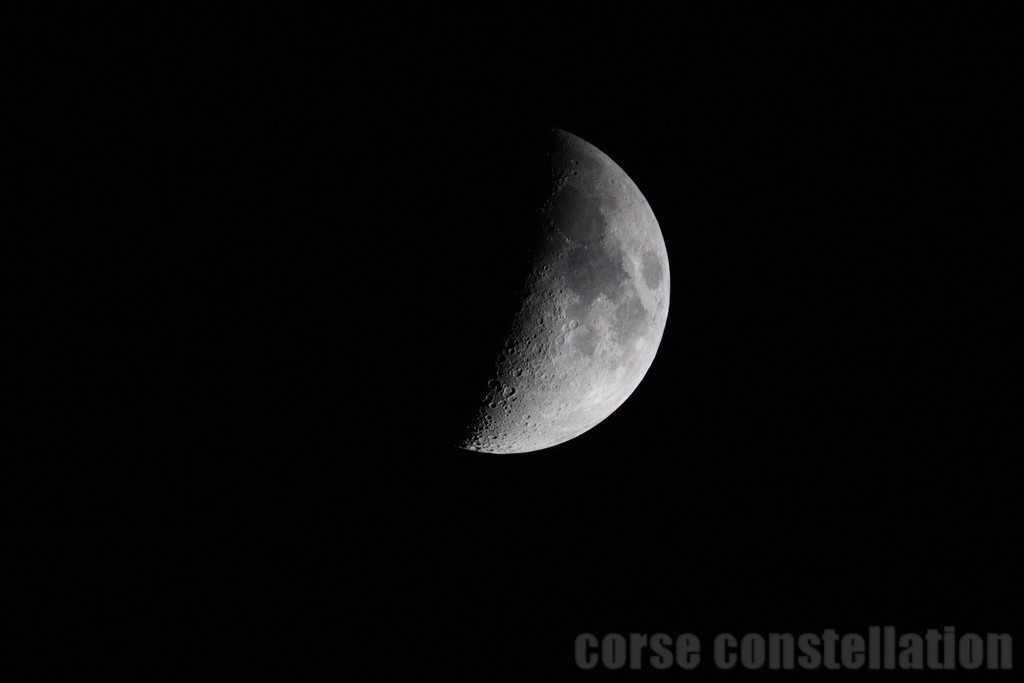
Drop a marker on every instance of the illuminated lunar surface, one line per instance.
(593, 312)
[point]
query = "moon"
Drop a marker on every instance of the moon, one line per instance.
(593, 310)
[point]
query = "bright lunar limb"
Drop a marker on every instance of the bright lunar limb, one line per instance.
(593, 313)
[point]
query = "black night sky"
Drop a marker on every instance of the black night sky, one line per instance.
(279, 249)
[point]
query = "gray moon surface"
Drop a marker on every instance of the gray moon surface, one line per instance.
(593, 311)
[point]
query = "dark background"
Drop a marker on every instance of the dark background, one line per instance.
(276, 252)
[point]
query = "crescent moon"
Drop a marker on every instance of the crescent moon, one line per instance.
(593, 313)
